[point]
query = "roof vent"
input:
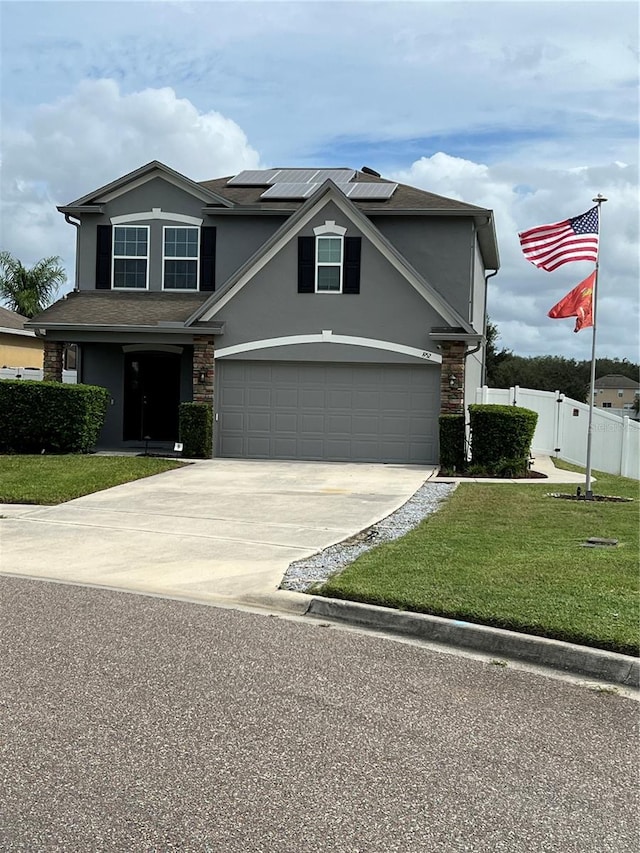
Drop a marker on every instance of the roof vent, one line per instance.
(369, 171)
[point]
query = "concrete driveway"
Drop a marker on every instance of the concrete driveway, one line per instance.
(219, 528)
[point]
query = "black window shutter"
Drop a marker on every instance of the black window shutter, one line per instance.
(351, 272)
(306, 264)
(103, 258)
(208, 257)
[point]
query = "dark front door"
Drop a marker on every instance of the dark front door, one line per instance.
(151, 396)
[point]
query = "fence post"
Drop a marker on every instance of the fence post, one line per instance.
(557, 440)
(624, 447)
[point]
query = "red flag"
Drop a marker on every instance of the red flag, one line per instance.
(578, 303)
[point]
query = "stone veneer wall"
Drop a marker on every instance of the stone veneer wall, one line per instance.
(452, 398)
(53, 361)
(203, 353)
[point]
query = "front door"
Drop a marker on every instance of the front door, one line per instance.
(151, 396)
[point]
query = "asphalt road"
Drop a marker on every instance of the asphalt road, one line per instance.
(132, 723)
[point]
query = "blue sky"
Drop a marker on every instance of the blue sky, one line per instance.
(529, 108)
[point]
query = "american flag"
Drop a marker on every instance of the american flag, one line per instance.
(550, 246)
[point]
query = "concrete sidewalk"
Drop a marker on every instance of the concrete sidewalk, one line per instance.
(217, 528)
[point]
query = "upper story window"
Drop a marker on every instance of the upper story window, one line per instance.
(329, 264)
(180, 258)
(329, 261)
(130, 257)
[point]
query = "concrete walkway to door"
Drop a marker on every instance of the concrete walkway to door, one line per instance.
(220, 528)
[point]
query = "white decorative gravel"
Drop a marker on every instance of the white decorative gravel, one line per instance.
(302, 574)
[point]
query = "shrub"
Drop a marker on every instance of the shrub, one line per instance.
(196, 430)
(452, 444)
(50, 417)
(501, 438)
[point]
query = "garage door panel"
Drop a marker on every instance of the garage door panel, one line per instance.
(312, 398)
(258, 447)
(311, 448)
(258, 421)
(336, 412)
(337, 424)
(313, 422)
(285, 422)
(232, 422)
(258, 397)
(286, 398)
(338, 398)
(232, 445)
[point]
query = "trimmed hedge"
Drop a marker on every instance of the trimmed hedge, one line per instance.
(196, 430)
(453, 457)
(50, 417)
(501, 438)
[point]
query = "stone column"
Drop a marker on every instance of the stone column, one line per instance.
(203, 353)
(53, 361)
(452, 378)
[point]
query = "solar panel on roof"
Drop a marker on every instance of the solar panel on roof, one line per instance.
(253, 178)
(370, 192)
(339, 176)
(293, 176)
(290, 189)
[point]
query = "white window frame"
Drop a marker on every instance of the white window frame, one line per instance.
(175, 258)
(334, 232)
(115, 257)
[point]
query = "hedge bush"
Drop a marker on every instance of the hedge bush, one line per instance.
(453, 457)
(50, 416)
(501, 438)
(196, 430)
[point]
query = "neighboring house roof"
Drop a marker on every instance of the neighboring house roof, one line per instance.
(616, 380)
(310, 207)
(12, 323)
(120, 309)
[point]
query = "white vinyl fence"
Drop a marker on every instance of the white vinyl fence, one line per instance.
(69, 376)
(562, 429)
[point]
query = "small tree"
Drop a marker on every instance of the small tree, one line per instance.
(493, 357)
(29, 291)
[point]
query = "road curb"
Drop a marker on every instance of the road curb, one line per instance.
(579, 660)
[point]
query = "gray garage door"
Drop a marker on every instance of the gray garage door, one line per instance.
(332, 412)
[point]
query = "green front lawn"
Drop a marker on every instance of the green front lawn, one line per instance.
(54, 479)
(509, 556)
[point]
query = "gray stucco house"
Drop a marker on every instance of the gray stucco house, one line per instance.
(324, 314)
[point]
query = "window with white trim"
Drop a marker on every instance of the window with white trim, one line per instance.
(130, 257)
(180, 258)
(329, 251)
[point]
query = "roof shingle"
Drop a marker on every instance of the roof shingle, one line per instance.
(121, 308)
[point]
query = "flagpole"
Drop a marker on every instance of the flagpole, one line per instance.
(588, 492)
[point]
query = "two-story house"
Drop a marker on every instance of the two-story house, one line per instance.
(324, 314)
(616, 392)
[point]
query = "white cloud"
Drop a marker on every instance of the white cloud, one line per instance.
(92, 136)
(521, 295)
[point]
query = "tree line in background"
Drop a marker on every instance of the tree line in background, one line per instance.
(548, 372)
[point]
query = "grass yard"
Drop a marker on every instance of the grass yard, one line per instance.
(509, 556)
(54, 479)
